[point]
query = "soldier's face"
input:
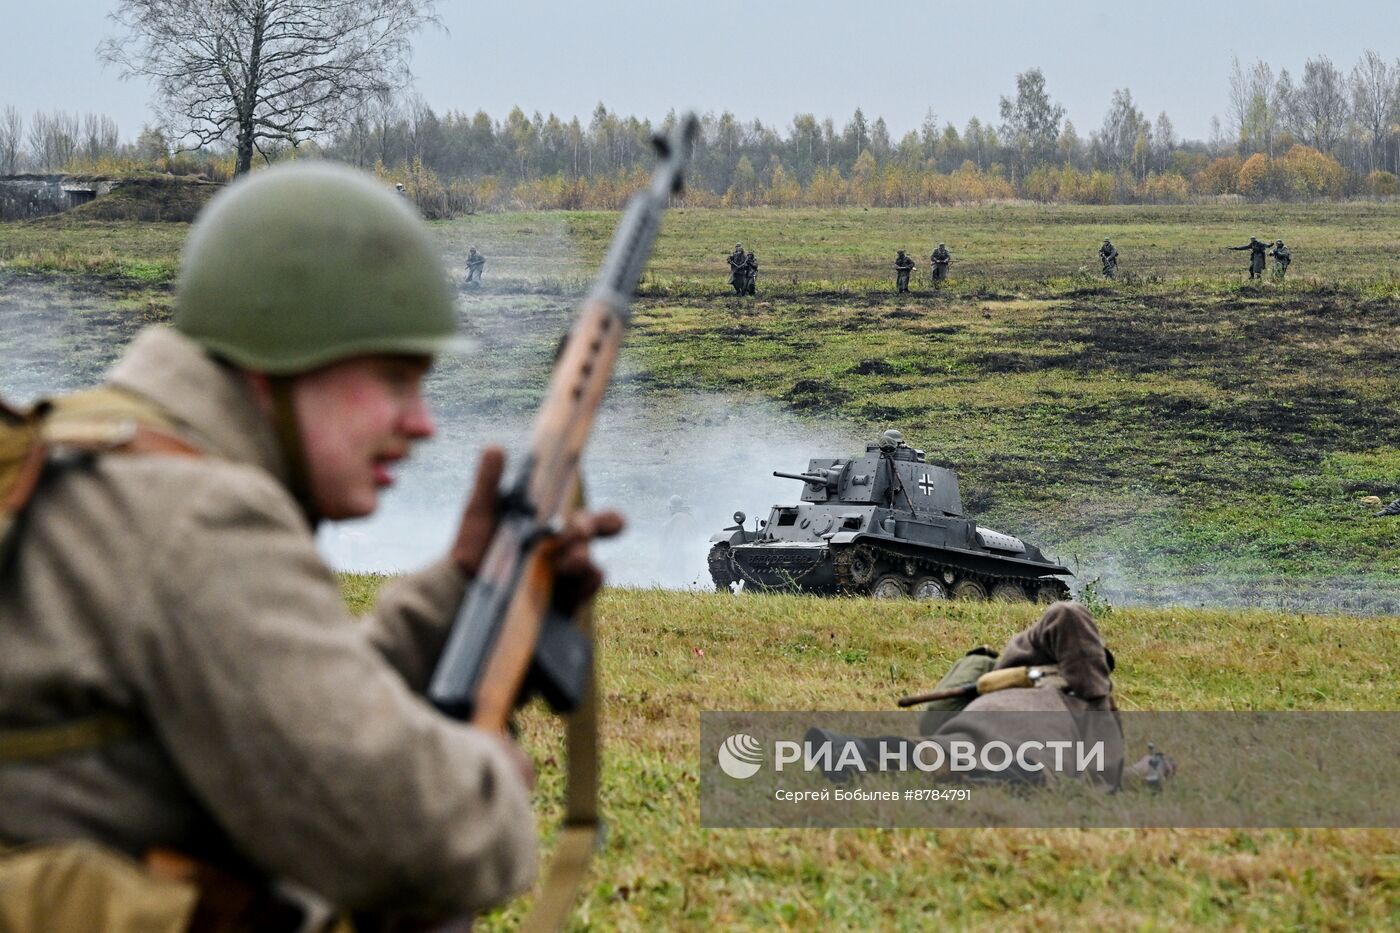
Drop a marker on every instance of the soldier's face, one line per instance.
(358, 419)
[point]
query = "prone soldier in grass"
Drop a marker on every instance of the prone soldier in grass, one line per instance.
(181, 672)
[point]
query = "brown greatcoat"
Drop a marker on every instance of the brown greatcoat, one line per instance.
(187, 593)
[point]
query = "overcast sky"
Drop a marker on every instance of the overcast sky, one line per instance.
(771, 59)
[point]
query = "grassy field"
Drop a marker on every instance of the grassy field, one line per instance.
(666, 656)
(1181, 434)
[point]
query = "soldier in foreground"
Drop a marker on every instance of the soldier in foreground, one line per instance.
(476, 264)
(1282, 257)
(738, 271)
(1256, 249)
(1108, 258)
(938, 264)
(181, 671)
(903, 265)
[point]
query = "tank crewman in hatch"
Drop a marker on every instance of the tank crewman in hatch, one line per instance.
(1256, 249)
(167, 624)
(903, 265)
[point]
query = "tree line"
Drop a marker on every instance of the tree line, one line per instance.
(1324, 134)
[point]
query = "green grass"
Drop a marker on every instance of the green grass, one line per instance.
(664, 657)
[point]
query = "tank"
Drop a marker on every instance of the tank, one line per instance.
(887, 524)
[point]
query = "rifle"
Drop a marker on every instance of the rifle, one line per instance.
(990, 682)
(507, 643)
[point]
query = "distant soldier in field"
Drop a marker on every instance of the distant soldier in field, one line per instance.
(750, 274)
(475, 264)
(903, 265)
(679, 527)
(738, 274)
(1108, 258)
(1282, 257)
(938, 262)
(1389, 510)
(1256, 248)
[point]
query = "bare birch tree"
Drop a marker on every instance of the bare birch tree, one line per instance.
(11, 139)
(256, 71)
(1375, 93)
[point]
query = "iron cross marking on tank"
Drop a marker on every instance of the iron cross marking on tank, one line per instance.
(926, 485)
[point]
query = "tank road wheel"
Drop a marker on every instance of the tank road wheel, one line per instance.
(969, 590)
(928, 588)
(1050, 591)
(862, 565)
(1009, 591)
(889, 586)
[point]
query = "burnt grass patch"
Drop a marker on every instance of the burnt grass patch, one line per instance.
(815, 395)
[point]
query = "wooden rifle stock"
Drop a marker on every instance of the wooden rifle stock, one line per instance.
(505, 640)
(508, 640)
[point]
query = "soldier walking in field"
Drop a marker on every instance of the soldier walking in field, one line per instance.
(1257, 249)
(475, 264)
(1108, 258)
(190, 713)
(1282, 257)
(903, 265)
(938, 263)
(750, 274)
(738, 273)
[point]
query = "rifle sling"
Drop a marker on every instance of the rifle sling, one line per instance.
(580, 833)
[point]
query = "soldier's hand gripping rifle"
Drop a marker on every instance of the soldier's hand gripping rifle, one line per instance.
(507, 642)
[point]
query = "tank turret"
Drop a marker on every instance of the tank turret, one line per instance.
(887, 523)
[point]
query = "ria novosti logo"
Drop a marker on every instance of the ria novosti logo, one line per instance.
(740, 756)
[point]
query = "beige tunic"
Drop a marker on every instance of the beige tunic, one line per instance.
(187, 592)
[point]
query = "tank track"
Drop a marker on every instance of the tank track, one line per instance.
(860, 567)
(721, 567)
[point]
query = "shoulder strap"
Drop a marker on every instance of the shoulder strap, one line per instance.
(102, 420)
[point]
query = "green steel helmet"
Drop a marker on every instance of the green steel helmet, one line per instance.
(310, 263)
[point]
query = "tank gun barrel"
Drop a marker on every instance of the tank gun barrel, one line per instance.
(805, 477)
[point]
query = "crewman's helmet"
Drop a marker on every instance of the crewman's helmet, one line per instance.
(891, 439)
(676, 503)
(310, 263)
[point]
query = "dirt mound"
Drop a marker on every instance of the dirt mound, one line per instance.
(813, 394)
(155, 198)
(872, 368)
